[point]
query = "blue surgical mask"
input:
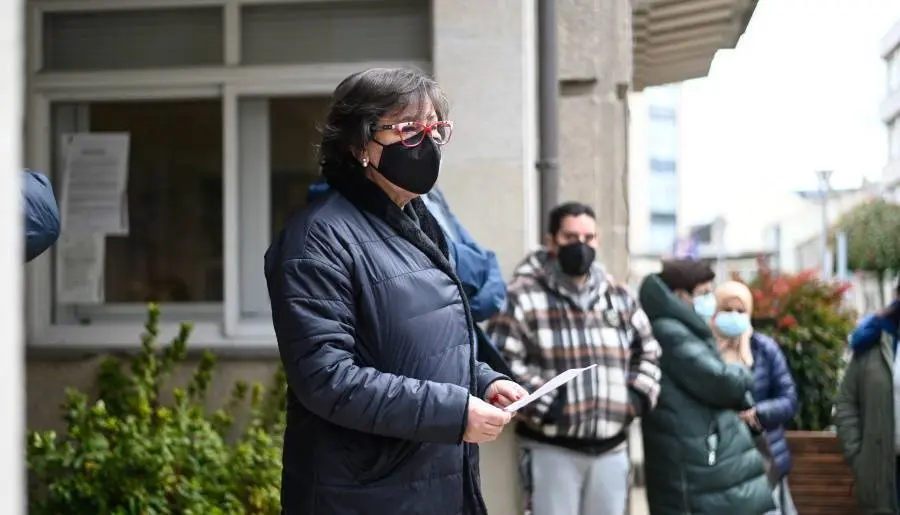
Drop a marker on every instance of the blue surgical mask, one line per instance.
(705, 305)
(732, 324)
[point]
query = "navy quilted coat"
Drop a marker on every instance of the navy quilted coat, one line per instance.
(376, 338)
(775, 395)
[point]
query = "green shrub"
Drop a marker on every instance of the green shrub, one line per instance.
(807, 318)
(129, 454)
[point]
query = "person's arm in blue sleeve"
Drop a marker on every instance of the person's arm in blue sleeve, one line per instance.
(479, 271)
(782, 406)
(42, 223)
(867, 332)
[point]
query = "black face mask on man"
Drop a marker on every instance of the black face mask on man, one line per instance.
(575, 259)
(415, 169)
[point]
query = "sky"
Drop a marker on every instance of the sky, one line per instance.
(801, 92)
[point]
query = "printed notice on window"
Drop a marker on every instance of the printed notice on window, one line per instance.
(95, 183)
(548, 387)
(80, 263)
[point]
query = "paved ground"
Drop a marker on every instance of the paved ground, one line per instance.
(639, 502)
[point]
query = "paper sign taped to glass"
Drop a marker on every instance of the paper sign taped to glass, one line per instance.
(548, 387)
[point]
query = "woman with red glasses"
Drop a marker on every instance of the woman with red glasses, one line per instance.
(386, 401)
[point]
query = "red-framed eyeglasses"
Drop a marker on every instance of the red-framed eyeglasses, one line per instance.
(413, 133)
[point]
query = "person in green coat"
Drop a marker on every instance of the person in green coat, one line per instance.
(699, 456)
(867, 411)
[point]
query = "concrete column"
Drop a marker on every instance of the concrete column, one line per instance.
(484, 58)
(595, 70)
(13, 498)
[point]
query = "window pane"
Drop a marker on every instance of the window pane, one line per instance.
(893, 65)
(663, 193)
(156, 38)
(894, 139)
(662, 165)
(293, 124)
(663, 231)
(173, 252)
(354, 31)
(663, 141)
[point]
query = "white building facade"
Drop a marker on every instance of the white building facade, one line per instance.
(890, 109)
(654, 177)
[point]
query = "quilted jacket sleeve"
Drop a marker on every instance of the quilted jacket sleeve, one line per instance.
(781, 406)
(697, 368)
(314, 315)
(41, 214)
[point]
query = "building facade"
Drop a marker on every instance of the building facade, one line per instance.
(890, 109)
(221, 100)
(654, 178)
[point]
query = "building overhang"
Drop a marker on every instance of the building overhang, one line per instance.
(675, 40)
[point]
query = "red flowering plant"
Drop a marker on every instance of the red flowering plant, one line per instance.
(807, 317)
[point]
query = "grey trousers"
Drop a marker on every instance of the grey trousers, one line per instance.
(564, 482)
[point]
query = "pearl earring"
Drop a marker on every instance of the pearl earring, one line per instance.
(365, 162)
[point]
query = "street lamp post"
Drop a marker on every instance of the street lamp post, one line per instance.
(824, 177)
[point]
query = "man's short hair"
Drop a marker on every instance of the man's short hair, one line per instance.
(560, 212)
(685, 274)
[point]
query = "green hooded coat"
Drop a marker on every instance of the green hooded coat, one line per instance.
(699, 457)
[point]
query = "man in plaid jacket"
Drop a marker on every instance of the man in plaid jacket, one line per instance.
(563, 311)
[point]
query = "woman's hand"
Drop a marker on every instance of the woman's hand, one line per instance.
(484, 422)
(749, 417)
(502, 393)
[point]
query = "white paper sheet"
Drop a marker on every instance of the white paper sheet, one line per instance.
(95, 183)
(81, 259)
(548, 387)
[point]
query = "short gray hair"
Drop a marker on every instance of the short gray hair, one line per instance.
(363, 98)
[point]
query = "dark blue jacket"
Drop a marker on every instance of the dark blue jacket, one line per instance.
(40, 212)
(477, 267)
(775, 395)
(868, 332)
(377, 342)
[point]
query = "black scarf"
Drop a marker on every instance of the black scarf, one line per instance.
(350, 181)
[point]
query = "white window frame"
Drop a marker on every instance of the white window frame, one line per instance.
(121, 324)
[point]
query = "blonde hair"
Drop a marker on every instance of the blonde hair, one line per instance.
(733, 290)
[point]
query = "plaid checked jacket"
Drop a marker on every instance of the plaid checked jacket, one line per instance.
(544, 330)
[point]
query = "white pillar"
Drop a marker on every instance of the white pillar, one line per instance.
(484, 58)
(12, 442)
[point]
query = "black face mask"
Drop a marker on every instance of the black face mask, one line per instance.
(575, 259)
(413, 169)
